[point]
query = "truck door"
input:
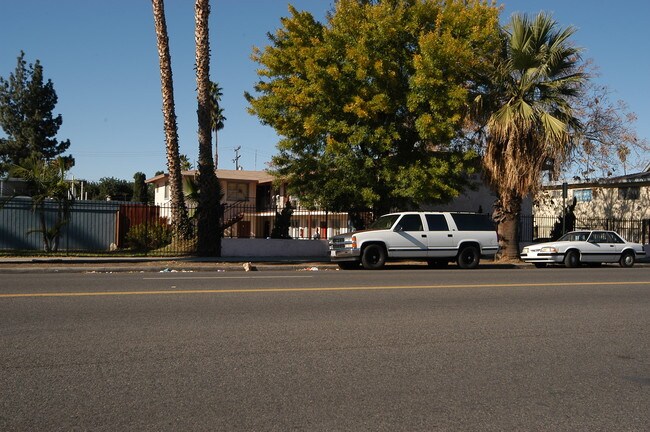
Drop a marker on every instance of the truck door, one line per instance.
(441, 242)
(408, 238)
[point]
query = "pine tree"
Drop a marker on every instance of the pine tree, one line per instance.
(26, 117)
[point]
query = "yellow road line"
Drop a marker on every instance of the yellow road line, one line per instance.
(285, 290)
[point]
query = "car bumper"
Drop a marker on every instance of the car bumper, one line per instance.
(543, 257)
(345, 255)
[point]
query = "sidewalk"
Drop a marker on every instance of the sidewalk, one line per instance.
(159, 264)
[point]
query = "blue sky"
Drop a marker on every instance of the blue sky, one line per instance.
(102, 59)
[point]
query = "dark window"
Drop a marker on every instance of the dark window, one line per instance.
(473, 222)
(628, 193)
(599, 237)
(411, 222)
(437, 222)
(613, 238)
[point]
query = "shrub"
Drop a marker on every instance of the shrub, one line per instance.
(148, 236)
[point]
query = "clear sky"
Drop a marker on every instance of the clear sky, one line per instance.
(102, 59)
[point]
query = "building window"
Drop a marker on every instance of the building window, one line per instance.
(628, 193)
(583, 195)
(237, 192)
(166, 190)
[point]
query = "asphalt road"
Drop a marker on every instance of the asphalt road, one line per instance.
(407, 349)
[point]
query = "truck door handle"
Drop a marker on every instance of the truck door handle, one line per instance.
(450, 235)
(424, 235)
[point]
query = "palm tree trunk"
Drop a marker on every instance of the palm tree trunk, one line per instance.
(216, 149)
(179, 217)
(209, 234)
(506, 213)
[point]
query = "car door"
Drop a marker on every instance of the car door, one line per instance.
(617, 244)
(599, 248)
(408, 238)
(441, 242)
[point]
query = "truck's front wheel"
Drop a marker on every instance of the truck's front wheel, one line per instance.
(373, 257)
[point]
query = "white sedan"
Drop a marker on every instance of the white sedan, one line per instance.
(588, 247)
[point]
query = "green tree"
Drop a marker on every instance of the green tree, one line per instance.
(49, 192)
(114, 189)
(369, 104)
(179, 216)
(530, 115)
(208, 212)
(140, 188)
(26, 105)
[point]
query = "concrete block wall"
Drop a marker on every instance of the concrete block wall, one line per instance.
(255, 248)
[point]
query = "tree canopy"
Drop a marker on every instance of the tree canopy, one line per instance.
(374, 99)
(27, 103)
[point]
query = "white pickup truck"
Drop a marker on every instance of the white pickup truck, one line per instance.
(436, 237)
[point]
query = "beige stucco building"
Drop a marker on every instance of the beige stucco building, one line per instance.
(623, 199)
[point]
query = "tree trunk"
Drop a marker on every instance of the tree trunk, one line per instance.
(179, 217)
(209, 234)
(506, 214)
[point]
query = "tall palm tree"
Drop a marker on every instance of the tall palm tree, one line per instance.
(530, 118)
(209, 234)
(179, 216)
(217, 118)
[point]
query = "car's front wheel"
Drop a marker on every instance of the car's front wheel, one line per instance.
(627, 259)
(373, 257)
(572, 259)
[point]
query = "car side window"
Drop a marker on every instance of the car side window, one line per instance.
(599, 237)
(411, 222)
(613, 238)
(437, 222)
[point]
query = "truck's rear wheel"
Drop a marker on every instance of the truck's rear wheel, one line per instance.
(373, 257)
(468, 257)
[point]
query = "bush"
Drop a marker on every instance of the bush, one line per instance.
(148, 236)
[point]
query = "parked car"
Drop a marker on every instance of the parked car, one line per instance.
(584, 247)
(435, 237)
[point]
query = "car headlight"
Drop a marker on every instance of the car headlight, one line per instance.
(524, 251)
(549, 249)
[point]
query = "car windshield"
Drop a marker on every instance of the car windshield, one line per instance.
(384, 222)
(575, 236)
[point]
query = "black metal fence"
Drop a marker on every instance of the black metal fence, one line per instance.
(124, 228)
(542, 228)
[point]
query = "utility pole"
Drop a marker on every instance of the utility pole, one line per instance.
(236, 159)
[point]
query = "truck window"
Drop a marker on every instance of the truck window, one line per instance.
(437, 222)
(384, 222)
(410, 222)
(472, 222)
